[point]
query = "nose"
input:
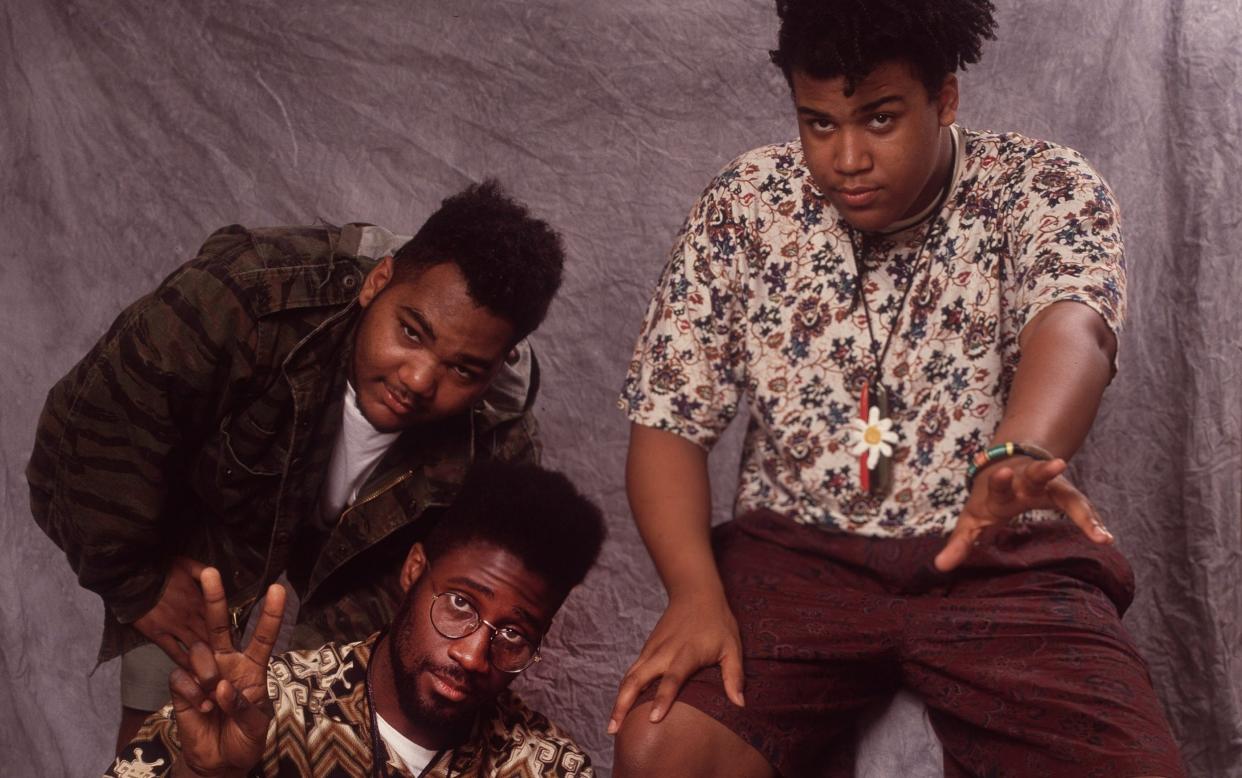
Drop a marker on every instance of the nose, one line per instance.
(471, 651)
(418, 376)
(853, 155)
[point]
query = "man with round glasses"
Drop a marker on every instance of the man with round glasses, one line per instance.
(426, 697)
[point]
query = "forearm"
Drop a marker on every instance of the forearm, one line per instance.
(670, 496)
(1066, 363)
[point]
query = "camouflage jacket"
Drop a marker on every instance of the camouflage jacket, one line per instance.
(322, 727)
(201, 425)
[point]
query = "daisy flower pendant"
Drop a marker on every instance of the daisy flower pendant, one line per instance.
(874, 436)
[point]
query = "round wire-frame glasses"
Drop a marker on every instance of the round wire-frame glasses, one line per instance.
(454, 617)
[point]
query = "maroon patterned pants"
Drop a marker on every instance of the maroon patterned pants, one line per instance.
(1019, 654)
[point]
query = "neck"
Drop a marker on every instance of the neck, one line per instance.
(431, 735)
(939, 180)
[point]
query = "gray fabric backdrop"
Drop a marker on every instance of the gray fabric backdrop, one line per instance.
(130, 129)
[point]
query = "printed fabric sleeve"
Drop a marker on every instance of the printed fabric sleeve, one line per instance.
(1065, 240)
(154, 750)
(688, 371)
(522, 743)
(114, 428)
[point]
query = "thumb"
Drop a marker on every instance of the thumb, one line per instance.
(734, 678)
(192, 566)
(956, 549)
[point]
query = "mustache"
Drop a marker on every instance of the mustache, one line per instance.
(451, 673)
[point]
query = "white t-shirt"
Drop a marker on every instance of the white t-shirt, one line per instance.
(413, 757)
(355, 453)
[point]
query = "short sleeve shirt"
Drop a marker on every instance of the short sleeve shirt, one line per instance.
(759, 307)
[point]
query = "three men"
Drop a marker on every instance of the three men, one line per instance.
(426, 697)
(247, 415)
(921, 321)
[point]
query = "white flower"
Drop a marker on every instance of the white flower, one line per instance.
(875, 436)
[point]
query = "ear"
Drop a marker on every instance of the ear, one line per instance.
(375, 281)
(415, 564)
(946, 101)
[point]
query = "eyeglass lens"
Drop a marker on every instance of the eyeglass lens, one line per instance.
(454, 617)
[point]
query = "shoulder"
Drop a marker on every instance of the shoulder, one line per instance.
(521, 735)
(1016, 159)
(337, 667)
(776, 170)
(277, 268)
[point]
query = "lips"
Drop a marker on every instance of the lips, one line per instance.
(857, 197)
(447, 687)
(397, 402)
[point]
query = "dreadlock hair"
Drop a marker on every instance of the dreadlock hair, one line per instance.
(831, 38)
(511, 261)
(535, 514)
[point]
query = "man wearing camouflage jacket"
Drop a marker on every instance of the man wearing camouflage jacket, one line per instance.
(200, 429)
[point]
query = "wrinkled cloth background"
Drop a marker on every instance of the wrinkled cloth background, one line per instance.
(130, 129)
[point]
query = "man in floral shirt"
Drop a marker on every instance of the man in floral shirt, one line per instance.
(921, 320)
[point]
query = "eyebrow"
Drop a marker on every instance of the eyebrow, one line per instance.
(479, 588)
(804, 110)
(421, 320)
(466, 359)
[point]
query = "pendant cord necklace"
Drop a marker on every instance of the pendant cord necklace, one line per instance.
(879, 352)
(875, 446)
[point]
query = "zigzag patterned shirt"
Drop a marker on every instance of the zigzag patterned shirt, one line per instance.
(322, 729)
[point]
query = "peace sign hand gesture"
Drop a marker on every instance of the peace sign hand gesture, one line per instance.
(221, 706)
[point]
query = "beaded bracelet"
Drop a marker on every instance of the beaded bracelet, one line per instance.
(1002, 451)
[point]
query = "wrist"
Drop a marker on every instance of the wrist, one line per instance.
(1007, 451)
(696, 593)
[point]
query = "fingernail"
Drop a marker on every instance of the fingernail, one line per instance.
(205, 707)
(741, 700)
(612, 726)
(656, 713)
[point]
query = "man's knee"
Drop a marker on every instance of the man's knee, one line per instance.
(686, 742)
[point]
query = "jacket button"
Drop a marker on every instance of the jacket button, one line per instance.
(349, 282)
(282, 536)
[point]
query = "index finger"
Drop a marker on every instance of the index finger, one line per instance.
(1044, 472)
(1073, 503)
(636, 679)
(259, 650)
(220, 636)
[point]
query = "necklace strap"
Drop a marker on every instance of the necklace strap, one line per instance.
(878, 352)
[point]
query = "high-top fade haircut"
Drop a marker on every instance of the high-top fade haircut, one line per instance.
(535, 514)
(511, 261)
(831, 38)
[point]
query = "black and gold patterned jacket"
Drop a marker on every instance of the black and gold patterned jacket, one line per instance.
(201, 425)
(322, 727)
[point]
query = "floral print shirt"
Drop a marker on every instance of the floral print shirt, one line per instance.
(759, 306)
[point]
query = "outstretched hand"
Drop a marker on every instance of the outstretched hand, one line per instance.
(692, 634)
(221, 703)
(1007, 489)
